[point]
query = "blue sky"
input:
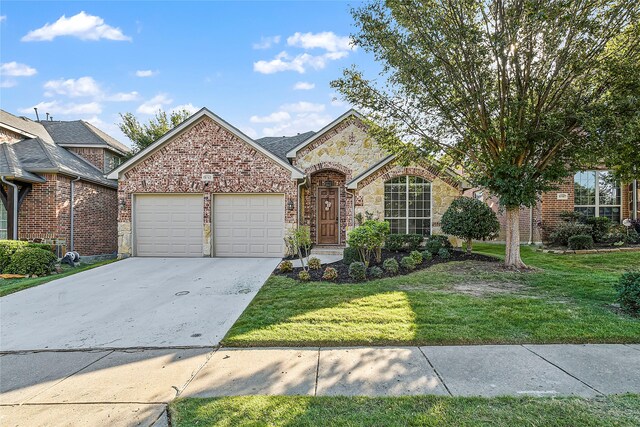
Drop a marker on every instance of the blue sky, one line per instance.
(263, 66)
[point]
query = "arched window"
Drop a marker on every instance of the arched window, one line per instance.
(407, 205)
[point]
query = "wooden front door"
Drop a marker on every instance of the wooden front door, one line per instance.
(327, 216)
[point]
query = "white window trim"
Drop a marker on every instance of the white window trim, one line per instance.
(597, 205)
(406, 195)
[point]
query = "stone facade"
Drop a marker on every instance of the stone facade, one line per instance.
(178, 165)
(7, 135)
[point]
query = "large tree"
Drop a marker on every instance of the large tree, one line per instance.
(144, 134)
(500, 88)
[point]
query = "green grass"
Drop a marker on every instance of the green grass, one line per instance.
(566, 299)
(9, 286)
(406, 411)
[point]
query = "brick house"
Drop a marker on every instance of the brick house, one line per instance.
(207, 189)
(53, 174)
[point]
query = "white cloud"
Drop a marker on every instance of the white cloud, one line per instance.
(336, 101)
(154, 104)
(16, 69)
(278, 116)
(299, 63)
(249, 131)
(303, 107)
(326, 40)
(146, 73)
(7, 83)
(3, 18)
(73, 88)
(266, 42)
(189, 107)
(298, 124)
(82, 26)
(123, 96)
(304, 86)
(66, 109)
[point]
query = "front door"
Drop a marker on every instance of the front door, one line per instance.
(328, 216)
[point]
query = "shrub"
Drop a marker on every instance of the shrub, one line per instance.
(304, 275)
(444, 253)
(368, 239)
(350, 255)
(581, 241)
(571, 216)
(433, 246)
(357, 271)
(469, 219)
(444, 240)
(31, 261)
(314, 263)
(330, 273)
(300, 240)
(408, 263)
(562, 233)
(9, 247)
(599, 227)
(416, 257)
(628, 288)
(375, 272)
(621, 234)
(390, 265)
(427, 256)
(285, 266)
(403, 242)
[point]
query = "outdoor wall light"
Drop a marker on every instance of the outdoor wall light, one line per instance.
(290, 205)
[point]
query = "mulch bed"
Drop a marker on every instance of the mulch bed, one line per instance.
(343, 269)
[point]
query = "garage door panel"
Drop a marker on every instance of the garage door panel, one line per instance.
(168, 225)
(248, 225)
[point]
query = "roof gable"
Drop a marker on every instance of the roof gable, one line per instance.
(79, 133)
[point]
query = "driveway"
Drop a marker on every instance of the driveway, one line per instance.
(137, 302)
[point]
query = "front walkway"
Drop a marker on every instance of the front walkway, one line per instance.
(131, 387)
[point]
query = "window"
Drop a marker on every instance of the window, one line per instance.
(596, 193)
(3, 222)
(407, 205)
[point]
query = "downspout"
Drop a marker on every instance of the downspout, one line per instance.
(353, 206)
(15, 206)
(531, 225)
(72, 197)
(304, 181)
(636, 208)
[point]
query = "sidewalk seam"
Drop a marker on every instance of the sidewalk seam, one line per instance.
(315, 390)
(436, 371)
(197, 371)
(563, 370)
(632, 348)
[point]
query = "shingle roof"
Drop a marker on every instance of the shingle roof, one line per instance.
(24, 124)
(81, 133)
(280, 145)
(10, 165)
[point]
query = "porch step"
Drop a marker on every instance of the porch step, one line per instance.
(327, 250)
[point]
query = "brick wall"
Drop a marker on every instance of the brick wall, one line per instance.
(95, 219)
(38, 216)
(95, 156)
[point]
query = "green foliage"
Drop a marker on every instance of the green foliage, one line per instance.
(599, 227)
(403, 242)
(143, 135)
(416, 257)
(426, 255)
(285, 266)
(350, 255)
(572, 216)
(628, 289)
(9, 247)
(562, 233)
(444, 240)
(408, 263)
(444, 253)
(304, 275)
(300, 239)
(375, 272)
(621, 235)
(357, 271)
(470, 219)
(314, 263)
(31, 261)
(580, 242)
(390, 265)
(433, 246)
(368, 239)
(330, 274)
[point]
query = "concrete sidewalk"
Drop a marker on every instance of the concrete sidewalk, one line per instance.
(132, 387)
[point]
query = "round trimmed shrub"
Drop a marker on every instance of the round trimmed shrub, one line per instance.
(580, 242)
(444, 240)
(416, 257)
(314, 263)
(357, 271)
(561, 234)
(408, 263)
(285, 266)
(31, 261)
(628, 288)
(350, 255)
(433, 246)
(600, 226)
(427, 256)
(330, 273)
(375, 272)
(469, 219)
(390, 265)
(444, 254)
(304, 276)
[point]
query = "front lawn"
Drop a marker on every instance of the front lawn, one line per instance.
(566, 299)
(9, 286)
(406, 411)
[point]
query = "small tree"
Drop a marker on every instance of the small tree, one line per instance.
(368, 239)
(300, 240)
(470, 219)
(145, 134)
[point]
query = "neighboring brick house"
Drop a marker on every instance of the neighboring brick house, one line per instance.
(206, 189)
(34, 157)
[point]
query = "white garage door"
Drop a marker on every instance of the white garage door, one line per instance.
(168, 225)
(248, 225)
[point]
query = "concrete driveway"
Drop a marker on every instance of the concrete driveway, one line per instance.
(137, 302)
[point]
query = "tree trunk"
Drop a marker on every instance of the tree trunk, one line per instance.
(469, 246)
(512, 249)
